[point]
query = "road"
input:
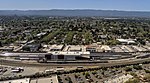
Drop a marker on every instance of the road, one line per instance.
(23, 45)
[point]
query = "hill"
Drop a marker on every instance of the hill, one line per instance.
(83, 12)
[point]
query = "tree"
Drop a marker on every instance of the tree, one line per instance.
(0, 44)
(137, 67)
(68, 39)
(147, 71)
(133, 74)
(128, 69)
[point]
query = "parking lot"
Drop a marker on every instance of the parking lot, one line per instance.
(6, 71)
(106, 75)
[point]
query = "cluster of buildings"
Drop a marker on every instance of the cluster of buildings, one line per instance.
(29, 51)
(97, 48)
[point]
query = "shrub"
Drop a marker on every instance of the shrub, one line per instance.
(128, 69)
(147, 71)
(133, 74)
(137, 67)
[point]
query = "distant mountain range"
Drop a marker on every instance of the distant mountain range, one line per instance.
(59, 12)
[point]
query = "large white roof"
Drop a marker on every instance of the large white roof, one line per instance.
(26, 80)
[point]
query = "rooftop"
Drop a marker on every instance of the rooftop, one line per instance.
(105, 47)
(57, 46)
(26, 80)
(126, 40)
(74, 48)
(69, 53)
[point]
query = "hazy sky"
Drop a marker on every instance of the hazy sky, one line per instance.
(130, 5)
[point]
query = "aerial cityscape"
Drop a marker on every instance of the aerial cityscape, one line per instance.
(68, 41)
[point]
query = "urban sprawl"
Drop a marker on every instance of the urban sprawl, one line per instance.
(74, 49)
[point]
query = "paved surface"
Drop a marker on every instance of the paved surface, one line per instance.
(26, 80)
(27, 71)
(52, 79)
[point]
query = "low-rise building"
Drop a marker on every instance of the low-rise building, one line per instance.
(56, 47)
(91, 48)
(127, 41)
(106, 48)
(25, 80)
(116, 49)
(74, 48)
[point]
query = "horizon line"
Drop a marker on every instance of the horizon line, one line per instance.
(74, 9)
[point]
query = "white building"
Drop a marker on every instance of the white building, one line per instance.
(25, 80)
(56, 47)
(127, 41)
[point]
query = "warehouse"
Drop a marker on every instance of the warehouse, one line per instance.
(68, 55)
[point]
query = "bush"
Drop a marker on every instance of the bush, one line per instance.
(147, 71)
(137, 67)
(128, 69)
(94, 72)
(133, 74)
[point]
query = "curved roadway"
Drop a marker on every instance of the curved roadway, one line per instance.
(110, 63)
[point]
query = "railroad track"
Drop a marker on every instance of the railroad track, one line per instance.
(110, 63)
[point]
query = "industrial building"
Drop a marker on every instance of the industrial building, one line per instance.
(80, 52)
(54, 56)
(68, 55)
